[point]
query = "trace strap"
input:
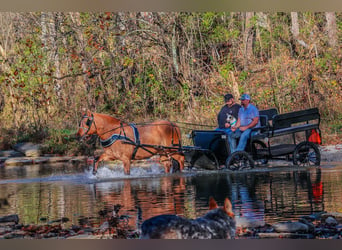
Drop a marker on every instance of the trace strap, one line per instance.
(113, 138)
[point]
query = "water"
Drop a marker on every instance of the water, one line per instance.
(265, 195)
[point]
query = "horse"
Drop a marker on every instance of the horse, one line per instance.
(127, 142)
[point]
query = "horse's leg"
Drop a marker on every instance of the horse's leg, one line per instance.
(166, 162)
(179, 157)
(102, 158)
(127, 166)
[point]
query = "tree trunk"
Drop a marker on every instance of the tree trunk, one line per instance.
(331, 28)
(49, 39)
(248, 38)
(75, 17)
(295, 29)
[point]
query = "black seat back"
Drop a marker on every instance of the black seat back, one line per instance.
(287, 119)
(269, 113)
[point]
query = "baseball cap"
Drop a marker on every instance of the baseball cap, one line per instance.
(227, 97)
(245, 97)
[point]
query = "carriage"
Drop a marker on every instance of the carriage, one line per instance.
(290, 136)
(210, 148)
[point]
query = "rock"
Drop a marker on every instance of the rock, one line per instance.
(10, 153)
(337, 216)
(4, 230)
(18, 161)
(10, 218)
(59, 159)
(310, 225)
(309, 218)
(290, 227)
(245, 222)
(330, 221)
(28, 148)
(285, 235)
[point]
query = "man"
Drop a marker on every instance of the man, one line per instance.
(248, 118)
(230, 108)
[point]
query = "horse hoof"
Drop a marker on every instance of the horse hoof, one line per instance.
(175, 166)
(94, 172)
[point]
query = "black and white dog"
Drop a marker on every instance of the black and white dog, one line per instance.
(218, 223)
(231, 120)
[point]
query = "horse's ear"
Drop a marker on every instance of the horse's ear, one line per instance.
(212, 203)
(228, 208)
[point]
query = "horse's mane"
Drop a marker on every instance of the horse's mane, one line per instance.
(107, 118)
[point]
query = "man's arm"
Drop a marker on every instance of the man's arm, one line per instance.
(254, 122)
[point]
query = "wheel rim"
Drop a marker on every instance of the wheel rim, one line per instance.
(239, 161)
(306, 155)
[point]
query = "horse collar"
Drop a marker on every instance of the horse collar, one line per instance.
(114, 137)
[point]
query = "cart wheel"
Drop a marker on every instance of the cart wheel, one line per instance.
(306, 154)
(259, 159)
(239, 160)
(211, 156)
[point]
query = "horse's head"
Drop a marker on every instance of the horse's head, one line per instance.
(87, 126)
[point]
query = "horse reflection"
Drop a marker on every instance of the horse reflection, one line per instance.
(144, 199)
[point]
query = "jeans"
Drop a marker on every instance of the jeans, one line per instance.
(244, 136)
(226, 130)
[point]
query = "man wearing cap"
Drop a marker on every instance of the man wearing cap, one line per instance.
(230, 108)
(248, 118)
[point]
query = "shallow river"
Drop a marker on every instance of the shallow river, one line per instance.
(264, 195)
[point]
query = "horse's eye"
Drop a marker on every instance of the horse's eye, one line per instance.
(88, 122)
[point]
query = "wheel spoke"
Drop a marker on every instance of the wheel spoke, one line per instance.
(306, 154)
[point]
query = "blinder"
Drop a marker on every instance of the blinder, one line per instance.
(88, 123)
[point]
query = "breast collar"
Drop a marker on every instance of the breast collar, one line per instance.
(114, 137)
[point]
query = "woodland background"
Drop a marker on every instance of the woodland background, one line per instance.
(141, 66)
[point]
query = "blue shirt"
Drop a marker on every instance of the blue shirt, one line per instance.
(247, 115)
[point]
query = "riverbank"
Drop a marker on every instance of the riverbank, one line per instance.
(114, 226)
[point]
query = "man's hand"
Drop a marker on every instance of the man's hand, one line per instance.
(243, 128)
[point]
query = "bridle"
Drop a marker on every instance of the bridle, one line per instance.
(88, 123)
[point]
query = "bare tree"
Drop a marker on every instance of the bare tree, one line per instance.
(295, 29)
(331, 28)
(248, 37)
(77, 25)
(49, 24)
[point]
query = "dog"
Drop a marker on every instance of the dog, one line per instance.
(231, 120)
(218, 223)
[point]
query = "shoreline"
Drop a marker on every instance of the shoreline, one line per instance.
(329, 154)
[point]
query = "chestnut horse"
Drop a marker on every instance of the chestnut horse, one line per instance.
(126, 142)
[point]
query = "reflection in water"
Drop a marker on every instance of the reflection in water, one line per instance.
(261, 197)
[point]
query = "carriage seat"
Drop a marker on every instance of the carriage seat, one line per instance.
(287, 123)
(297, 121)
(266, 121)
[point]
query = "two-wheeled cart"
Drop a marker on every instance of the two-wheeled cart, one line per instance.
(264, 145)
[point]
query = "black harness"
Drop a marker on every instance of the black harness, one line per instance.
(114, 137)
(122, 137)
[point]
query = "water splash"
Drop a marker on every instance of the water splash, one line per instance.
(117, 172)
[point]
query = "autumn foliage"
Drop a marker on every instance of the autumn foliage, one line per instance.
(140, 66)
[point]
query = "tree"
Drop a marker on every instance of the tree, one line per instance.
(331, 28)
(295, 29)
(249, 34)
